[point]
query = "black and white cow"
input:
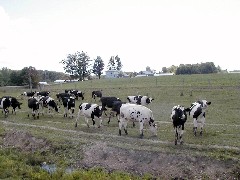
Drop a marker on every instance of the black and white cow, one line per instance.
(90, 111)
(75, 93)
(43, 93)
(140, 100)
(69, 106)
(179, 117)
(96, 94)
(198, 113)
(33, 105)
(134, 112)
(49, 103)
(5, 103)
(28, 94)
(14, 103)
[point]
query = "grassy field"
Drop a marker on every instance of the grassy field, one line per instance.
(221, 135)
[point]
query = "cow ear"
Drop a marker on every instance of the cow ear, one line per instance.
(187, 109)
(208, 103)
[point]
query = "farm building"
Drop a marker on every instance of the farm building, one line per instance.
(112, 73)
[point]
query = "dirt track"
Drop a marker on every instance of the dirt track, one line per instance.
(126, 154)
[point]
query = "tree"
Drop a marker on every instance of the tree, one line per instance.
(29, 77)
(98, 67)
(164, 69)
(77, 65)
(115, 63)
(15, 79)
(111, 64)
(118, 62)
(5, 76)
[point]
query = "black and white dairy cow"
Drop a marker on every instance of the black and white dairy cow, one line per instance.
(28, 94)
(198, 113)
(69, 106)
(75, 93)
(43, 93)
(5, 103)
(139, 113)
(49, 103)
(33, 105)
(90, 111)
(179, 117)
(140, 100)
(96, 94)
(14, 103)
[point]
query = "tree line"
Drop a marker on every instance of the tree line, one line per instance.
(28, 76)
(202, 68)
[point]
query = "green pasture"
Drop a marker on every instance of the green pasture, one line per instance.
(221, 135)
(222, 117)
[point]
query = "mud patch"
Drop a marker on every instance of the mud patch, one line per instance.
(24, 141)
(164, 165)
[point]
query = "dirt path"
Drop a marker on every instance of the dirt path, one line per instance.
(113, 152)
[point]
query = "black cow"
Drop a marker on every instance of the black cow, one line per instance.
(76, 93)
(90, 111)
(96, 94)
(14, 103)
(49, 103)
(61, 96)
(179, 117)
(5, 103)
(33, 105)
(69, 106)
(108, 102)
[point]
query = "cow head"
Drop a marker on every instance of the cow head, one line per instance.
(149, 100)
(204, 103)
(153, 127)
(180, 113)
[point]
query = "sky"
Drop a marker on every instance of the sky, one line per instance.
(154, 33)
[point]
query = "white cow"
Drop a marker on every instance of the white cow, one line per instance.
(140, 100)
(198, 112)
(134, 112)
(90, 111)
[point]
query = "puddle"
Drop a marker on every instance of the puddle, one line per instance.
(51, 168)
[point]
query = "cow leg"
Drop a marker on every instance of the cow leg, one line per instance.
(123, 123)
(176, 135)
(86, 119)
(65, 112)
(134, 124)
(141, 129)
(201, 126)
(100, 122)
(125, 126)
(77, 118)
(195, 124)
(120, 127)
(181, 129)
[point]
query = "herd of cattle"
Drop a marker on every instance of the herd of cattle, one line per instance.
(135, 110)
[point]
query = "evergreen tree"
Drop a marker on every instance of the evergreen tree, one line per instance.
(98, 66)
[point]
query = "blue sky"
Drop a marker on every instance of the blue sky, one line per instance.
(154, 33)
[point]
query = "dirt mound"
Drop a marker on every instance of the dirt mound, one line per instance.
(158, 164)
(24, 141)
